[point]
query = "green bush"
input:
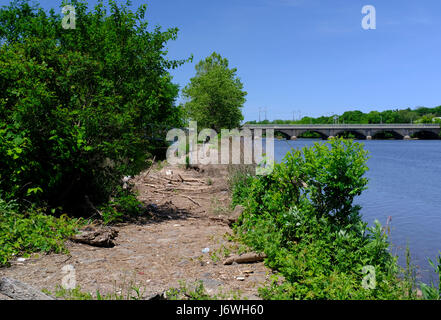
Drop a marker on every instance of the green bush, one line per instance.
(75, 105)
(32, 232)
(302, 216)
(124, 205)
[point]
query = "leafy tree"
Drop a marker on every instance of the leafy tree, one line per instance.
(75, 104)
(215, 95)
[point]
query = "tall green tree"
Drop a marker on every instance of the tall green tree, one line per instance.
(215, 96)
(75, 103)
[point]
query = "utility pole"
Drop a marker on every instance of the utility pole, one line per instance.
(265, 114)
(259, 113)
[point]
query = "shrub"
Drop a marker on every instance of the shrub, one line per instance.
(302, 216)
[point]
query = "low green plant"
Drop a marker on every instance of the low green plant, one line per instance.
(195, 291)
(133, 293)
(432, 292)
(32, 231)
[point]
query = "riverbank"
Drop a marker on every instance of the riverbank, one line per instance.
(183, 236)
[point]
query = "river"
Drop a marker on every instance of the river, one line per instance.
(404, 183)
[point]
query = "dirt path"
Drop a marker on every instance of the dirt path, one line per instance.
(186, 209)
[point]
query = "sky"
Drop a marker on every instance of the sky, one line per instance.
(310, 57)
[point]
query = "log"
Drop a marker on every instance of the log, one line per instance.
(246, 258)
(21, 291)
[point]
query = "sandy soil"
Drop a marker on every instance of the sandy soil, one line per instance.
(185, 210)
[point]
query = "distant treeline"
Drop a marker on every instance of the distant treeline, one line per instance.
(418, 115)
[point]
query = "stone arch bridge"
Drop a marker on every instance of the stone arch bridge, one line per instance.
(360, 131)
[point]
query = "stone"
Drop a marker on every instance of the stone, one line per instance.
(97, 236)
(21, 291)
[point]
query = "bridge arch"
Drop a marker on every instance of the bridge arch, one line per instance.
(357, 134)
(282, 133)
(322, 134)
(425, 135)
(383, 134)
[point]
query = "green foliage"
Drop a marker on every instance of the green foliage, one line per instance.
(124, 205)
(132, 293)
(21, 234)
(75, 104)
(239, 179)
(431, 292)
(197, 291)
(215, 95)
(188, 292)
(303, 218)
(418, 115)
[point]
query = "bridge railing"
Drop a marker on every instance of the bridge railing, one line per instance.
(345, 126)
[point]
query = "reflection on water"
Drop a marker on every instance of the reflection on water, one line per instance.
(405, 183)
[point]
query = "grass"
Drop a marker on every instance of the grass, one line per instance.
(131, 291)
(197, 291)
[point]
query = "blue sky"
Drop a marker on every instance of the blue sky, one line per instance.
(311, 56)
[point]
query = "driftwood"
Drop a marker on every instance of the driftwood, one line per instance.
(246, 258)
(190, 198)
(21, 291)
(97, 236)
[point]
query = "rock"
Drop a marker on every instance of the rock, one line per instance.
(210, 283)
(240, 278)
(21, 291)
(97, 236)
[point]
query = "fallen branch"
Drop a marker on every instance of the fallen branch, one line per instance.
(189, 198)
